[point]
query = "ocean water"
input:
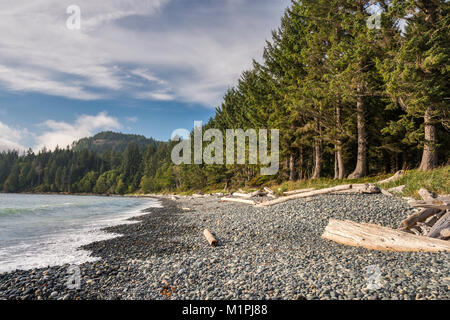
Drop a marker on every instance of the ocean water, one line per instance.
(47, 230)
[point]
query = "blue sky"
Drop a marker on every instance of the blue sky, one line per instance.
(135, 66)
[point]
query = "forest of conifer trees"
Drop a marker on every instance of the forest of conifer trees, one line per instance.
(349, 100)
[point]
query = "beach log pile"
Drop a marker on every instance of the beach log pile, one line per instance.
(433, 218)
(375, 237)
(425, 230)
(244, 197)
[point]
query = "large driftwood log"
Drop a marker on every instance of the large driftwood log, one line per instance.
(425, 194)
(439, 203)
(375, 237)
(442, 224)
(241, 195)
(395, 177)
(251, 202)
(362, 189)
(289, 193)
(419, 217)
(208, 235)
(305, 195)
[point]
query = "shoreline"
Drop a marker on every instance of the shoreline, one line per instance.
(263, 254)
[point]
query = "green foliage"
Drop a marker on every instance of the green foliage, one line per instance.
(330, 84)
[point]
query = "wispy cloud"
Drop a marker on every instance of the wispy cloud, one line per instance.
(62, 134)
(10, 138)
(150, 49)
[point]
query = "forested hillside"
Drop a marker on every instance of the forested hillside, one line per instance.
(112, 141)
(350, 99)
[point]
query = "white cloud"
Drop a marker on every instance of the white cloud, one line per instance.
(63, 134)
(192, 54)
(10, 139)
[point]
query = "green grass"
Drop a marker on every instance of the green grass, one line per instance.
(437, 181)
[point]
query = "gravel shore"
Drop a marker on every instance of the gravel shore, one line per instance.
(263, 253)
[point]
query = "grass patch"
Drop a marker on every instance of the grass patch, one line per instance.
(437, 181)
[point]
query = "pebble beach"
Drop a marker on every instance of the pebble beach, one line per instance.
(263, 253)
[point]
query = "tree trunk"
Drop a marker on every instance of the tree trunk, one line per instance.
(292, 169)
(336, 169)
(317, 153)
(361, 164)
(301, 163)
(340, 160)
(429, 156)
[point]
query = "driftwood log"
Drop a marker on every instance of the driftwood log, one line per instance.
(420, 216)
(268, 190)
(442, 224)
(304, 195)
(375, 237)
(208, 235)
(289, 193)
(425, 194)
(386, 193)
(362, 189)
(441, 203)
(241, 195)
(398, 189)
(251, 202)
(395, 177)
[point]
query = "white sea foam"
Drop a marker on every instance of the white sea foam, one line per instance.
(62, 246)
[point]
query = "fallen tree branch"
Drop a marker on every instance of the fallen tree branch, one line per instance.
(305, 195)
(375, 237)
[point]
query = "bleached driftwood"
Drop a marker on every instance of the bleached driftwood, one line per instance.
(268, 190)
(375, 237)
(305, 195)
(442, 224)
(289, 193)
(398, 189)
(395, 177)
(257, 193)
(386, 193)
(251, 202)
(241, 195)
(208, 235)
(362, 189)
(419, 217)
(425, 194)
(441, 203)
